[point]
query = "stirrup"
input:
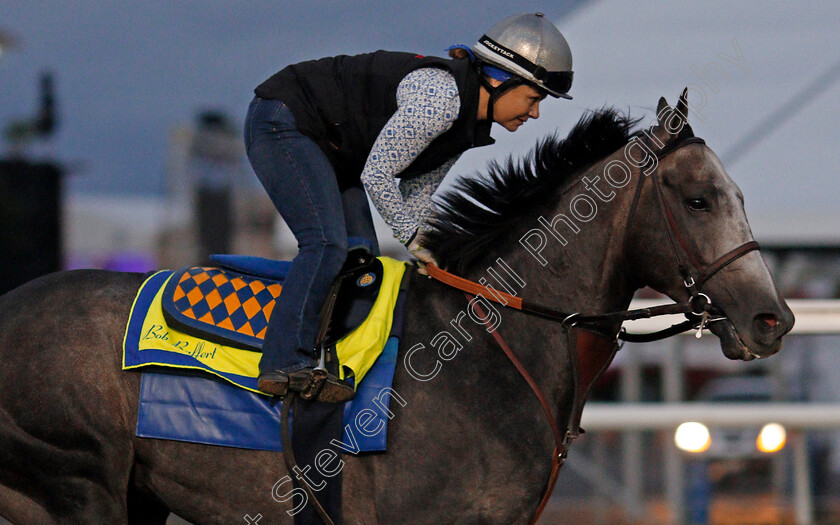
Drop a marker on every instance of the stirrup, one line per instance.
(313, 385)
(326, 388)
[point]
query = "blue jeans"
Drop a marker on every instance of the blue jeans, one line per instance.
(302, 185)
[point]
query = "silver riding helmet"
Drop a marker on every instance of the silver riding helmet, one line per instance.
(531, 47)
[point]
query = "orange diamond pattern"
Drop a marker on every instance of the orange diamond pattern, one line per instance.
(234, 302)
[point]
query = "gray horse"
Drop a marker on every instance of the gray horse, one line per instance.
(575, 226)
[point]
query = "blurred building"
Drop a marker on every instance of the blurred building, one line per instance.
(213, 203)
(30, 221)
(215, 160)
(30, 195)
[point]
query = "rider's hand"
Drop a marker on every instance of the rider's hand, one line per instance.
(423, 256)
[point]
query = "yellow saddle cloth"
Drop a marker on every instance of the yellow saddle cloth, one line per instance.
(150, 341)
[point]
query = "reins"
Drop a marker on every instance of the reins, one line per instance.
(696, 305)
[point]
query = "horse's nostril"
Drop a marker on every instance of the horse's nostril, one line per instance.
(765, 325)
(769, 319)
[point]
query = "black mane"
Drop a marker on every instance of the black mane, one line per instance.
(477, 212)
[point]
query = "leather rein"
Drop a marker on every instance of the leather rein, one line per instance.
(697, 308)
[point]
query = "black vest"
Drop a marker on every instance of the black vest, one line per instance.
(343, 103)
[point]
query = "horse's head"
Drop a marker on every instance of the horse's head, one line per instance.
(680, 219)
(695, 229)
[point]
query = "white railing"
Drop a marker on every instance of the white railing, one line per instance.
(812, 317)
(664, 416)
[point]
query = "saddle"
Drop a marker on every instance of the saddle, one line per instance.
(231, 304)
(215, 319)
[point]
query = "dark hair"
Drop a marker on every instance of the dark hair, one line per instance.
(458, 52)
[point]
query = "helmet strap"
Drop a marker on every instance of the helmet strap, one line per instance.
(496, 92)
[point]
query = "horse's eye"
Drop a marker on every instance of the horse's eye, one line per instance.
(698, 204)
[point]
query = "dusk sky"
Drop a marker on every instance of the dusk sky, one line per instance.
(128, 73)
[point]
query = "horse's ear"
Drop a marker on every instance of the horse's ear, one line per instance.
(663, 104)
(682, 105)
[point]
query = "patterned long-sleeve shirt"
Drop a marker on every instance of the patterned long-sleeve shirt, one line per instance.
(427, 106)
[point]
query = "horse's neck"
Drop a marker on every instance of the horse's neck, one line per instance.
(585, 274)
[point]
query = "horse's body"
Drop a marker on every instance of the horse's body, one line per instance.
(468, 442)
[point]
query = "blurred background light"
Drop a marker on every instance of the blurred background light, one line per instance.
(772, 438)
(693, 437)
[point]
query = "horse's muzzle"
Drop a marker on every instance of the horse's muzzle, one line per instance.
(760, 337)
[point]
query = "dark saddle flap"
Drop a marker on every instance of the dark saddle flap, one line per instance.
(231, 304)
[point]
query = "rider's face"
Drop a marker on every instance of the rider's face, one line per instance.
(517, 105)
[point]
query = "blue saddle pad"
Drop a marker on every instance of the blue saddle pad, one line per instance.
(203, 409)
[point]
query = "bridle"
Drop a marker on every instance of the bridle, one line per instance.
(698, 309)
(693, 272)
(675, 237)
